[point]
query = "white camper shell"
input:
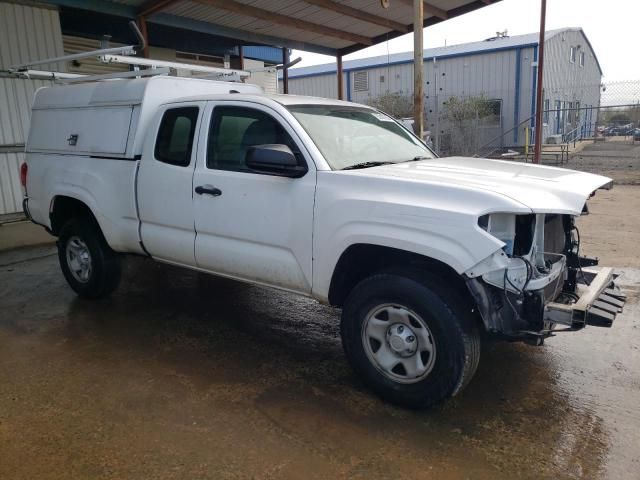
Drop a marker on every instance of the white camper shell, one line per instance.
(71, 119)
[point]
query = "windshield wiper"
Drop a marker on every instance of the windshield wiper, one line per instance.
(365, 165)
(418, 158)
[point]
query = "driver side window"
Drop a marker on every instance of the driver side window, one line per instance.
(234, 129)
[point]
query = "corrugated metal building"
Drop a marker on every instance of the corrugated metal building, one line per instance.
(25, 33)
(502, 69)
(32, 31)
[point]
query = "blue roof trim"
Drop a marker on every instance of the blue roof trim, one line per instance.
(534, 87)
(404, 62)
(462, 50)
(266, 54)
(516, 104)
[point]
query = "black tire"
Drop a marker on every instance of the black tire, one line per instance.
(105, 270)
(453, 330)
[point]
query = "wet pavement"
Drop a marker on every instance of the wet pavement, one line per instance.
(180, 375)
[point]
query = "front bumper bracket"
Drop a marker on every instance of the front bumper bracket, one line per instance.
(598, 304)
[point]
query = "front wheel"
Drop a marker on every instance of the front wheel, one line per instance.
(410, 338)
(89, 265)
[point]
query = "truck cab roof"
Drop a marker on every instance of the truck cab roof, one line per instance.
(284, 100)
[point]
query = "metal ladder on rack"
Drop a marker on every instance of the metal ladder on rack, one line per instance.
(142, 67)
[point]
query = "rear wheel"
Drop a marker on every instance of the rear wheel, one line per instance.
(89, 265)
(410, 338)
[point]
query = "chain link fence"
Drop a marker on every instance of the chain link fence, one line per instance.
(501, 123)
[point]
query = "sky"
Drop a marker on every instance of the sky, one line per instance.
(611, 26)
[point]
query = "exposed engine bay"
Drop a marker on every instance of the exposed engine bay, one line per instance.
(542, 280)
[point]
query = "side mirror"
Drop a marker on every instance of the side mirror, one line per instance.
(274, 159)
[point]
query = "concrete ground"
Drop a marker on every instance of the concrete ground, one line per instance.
(22, 234)
(179, 375)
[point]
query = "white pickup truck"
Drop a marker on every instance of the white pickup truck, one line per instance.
(322, 198)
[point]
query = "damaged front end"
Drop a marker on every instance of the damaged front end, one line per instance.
(538, 280)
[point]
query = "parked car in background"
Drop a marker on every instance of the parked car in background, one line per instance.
(619, 130)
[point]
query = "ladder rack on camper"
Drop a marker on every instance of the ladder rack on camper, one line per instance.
(142, 67)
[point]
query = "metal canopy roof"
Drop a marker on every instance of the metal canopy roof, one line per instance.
(332, 27)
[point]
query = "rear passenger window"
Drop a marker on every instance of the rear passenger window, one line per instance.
(175, 136)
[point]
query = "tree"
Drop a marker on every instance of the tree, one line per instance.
(466, 121)
(394, 104)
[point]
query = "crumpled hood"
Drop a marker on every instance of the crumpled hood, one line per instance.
(541, 188)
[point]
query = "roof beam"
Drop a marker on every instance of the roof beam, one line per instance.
(359, 14)
(431, 9)
(153, 6)
(244, 36)
(248, 10)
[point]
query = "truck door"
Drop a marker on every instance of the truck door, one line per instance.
(165, 184)
(252, 226)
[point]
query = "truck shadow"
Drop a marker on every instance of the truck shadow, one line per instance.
(284, 353)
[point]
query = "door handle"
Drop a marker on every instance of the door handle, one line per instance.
(208, 190)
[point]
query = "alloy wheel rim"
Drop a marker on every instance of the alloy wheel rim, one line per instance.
(78, 259)
(398, 343)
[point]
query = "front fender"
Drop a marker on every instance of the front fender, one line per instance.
(456, 247)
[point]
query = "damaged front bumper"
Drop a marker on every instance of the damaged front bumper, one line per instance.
(598, 303)
(538, 282)
(536, 315)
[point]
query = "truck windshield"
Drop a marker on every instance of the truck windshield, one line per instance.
(353, 136)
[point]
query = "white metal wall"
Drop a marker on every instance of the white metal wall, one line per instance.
(26, 33)
(318, 86)
(91, 65)
(10, 190)
(267, 79)
(560, 73)
(490, 74)
(29, 33)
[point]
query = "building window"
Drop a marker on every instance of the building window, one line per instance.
(582, 59)
(495, 112)
(572, 54)
(361, 81)
(545, 113)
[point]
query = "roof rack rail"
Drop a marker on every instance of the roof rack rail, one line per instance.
(146, 62)
(110, 76)
(142, 67)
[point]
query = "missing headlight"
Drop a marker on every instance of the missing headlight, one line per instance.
(525, 229)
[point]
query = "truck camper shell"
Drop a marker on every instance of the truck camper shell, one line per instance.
(109, 118)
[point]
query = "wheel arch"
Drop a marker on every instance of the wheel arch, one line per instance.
(65, 207)
(361, 260)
